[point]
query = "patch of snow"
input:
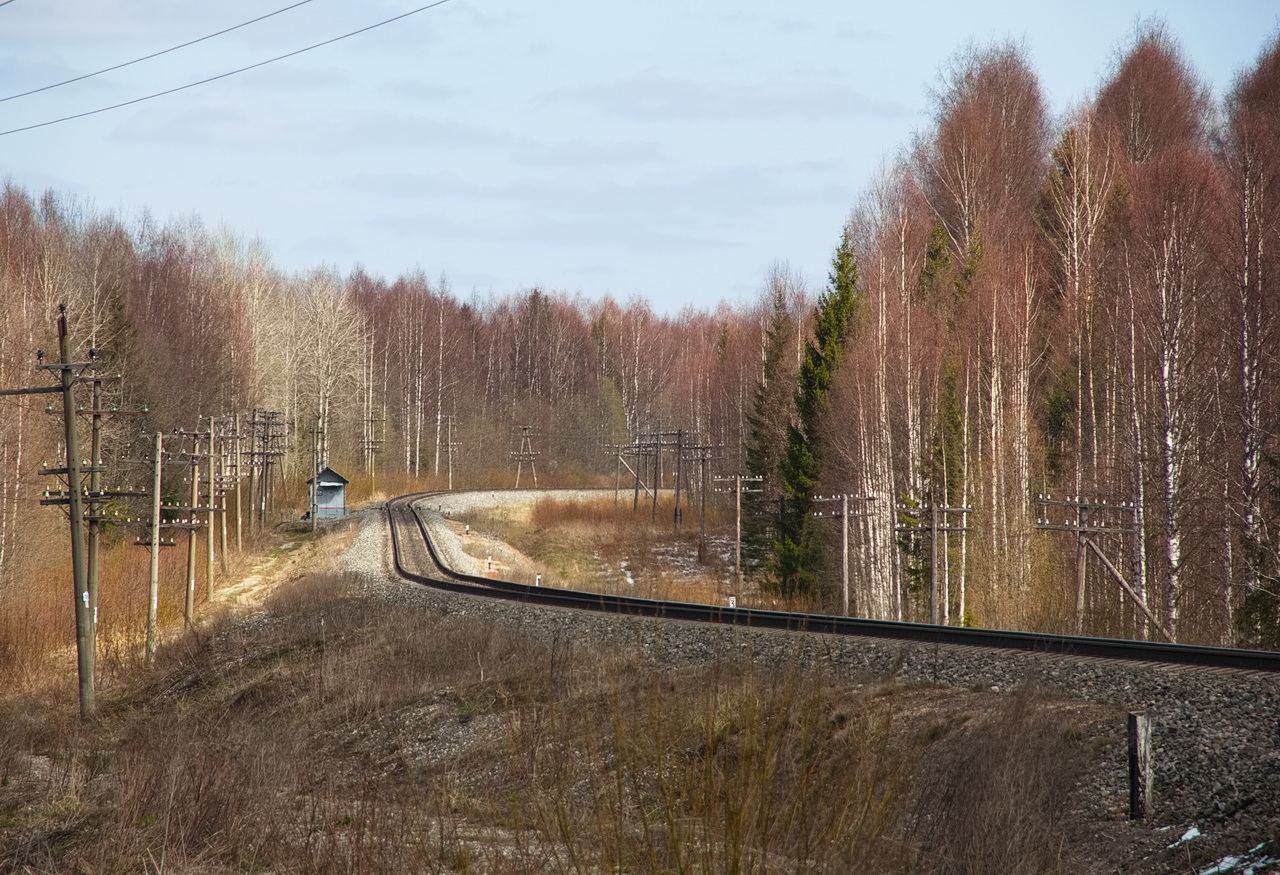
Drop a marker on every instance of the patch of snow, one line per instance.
(631, 581)
(1193, 832)
(1250, 864)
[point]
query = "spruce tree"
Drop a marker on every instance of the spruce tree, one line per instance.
(766, 445)
(795, 553)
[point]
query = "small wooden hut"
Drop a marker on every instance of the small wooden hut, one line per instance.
(329, 494)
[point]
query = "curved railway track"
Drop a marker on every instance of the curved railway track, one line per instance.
(416, 559)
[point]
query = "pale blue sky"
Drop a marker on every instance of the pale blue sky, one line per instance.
(668, 150)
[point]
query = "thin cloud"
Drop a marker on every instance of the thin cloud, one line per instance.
(854, 33)
(580, 153)
(420, 91)
(671, 194)
(258, 125)
(651, 95)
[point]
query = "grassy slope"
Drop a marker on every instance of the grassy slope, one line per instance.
(337, 733)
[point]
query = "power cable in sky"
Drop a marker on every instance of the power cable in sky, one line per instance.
(6, 2)
(150, 56)
(67, 118)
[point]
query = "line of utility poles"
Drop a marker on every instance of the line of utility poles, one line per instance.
(222, 454)
(648, 450)
(267, 434)
(84, 497)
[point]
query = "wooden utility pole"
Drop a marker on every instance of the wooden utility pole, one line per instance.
(843, 515)
(1090, 518)
(153, 581)
(235, 476)
(315, 477)
(85, 637)
(704, 456)
(94, 524)
(73, 498)
(253, 469)
(96, 497)
(677, 516)
(934, 519)
(526, 454)
(371, 445)
(450, 445)
(189, 609)
(211, 502)
(83, 505)
(737, 480)
(223, 480)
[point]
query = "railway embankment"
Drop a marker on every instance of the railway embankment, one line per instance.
(1216, 732)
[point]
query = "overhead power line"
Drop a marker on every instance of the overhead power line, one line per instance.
(150, 56)
(6, 2)
(67, 118)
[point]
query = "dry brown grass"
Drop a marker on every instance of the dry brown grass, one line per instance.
(1001, 781)
(603, 545)
(37, 623)
(339, 734)
(37, 626)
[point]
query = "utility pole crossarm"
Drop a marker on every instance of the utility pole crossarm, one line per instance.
(39, 390)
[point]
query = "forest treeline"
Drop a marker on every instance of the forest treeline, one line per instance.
(1081, 307)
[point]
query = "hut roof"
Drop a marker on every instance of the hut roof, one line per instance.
(330, 477)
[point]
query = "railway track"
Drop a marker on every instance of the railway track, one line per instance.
(416, 559)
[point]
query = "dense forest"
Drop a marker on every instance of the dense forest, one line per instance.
(1021, 305)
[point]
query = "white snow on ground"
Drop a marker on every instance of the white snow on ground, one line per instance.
(1253, 863)
(1193, 832)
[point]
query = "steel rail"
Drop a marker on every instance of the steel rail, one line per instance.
(758, 618)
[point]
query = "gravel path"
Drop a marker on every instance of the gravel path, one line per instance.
(1216, 736)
